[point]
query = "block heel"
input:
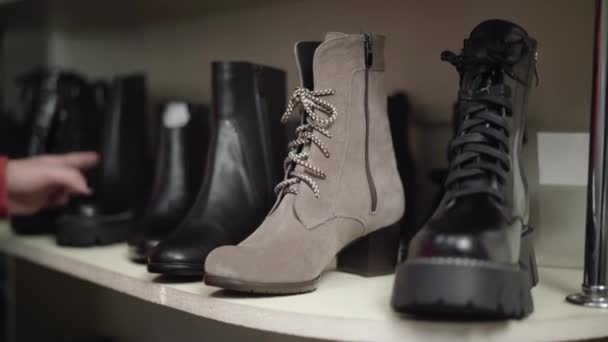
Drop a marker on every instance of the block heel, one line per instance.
(373, 255)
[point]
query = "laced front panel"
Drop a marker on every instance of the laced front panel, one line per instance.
(479, 154)
(309, 103)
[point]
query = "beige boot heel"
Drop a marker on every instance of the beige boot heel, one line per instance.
(372, 255)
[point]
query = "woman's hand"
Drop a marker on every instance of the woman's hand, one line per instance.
(46, 181)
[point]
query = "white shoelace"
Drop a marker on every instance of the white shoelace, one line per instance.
(308, 100)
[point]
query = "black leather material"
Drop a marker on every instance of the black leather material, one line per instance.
(60, 116)
(479, 226)
(120, 179)
(245, 163)
(305, 52)
(13, 137)
(399, 111)
(184, 131)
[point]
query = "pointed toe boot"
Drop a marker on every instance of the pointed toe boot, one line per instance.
(243, 165)
(182, 147)
(342, 194)
(474, 257)
(119, 181)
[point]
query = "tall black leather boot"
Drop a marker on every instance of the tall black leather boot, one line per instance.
(399, 112)
(474, 256)
(182, 150)
(107, 216)
(60, 116)
(244, 164)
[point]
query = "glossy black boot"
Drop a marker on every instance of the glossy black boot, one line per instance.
(108, 215)
(182, 150)
(474, 258)
(244, 164)
(60, 116)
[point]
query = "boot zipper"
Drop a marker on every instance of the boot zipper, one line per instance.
(369, 58)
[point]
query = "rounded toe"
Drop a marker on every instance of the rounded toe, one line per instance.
(166, 254)
(226, 262)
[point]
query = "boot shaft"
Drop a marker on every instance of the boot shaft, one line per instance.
(245, 152)
(184, 130)
(252, 96)
(59, 110)
(120, 175)
(361, 158)
(506, 60)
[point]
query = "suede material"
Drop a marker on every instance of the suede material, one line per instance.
(283, 250)
(302, 234)
(335, 62)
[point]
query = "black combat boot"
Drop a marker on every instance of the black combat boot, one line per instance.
(120, 180)
(60, 116)
(246, 153)
(182, 150)
(474, 256)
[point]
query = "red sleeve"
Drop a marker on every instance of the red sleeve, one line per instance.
(3, 190)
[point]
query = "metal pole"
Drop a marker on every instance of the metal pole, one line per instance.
(594, 289)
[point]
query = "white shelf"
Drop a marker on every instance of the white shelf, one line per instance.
(345, 307)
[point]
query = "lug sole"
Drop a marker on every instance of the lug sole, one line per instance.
(467, 288)
(176, 269)
(261, 288)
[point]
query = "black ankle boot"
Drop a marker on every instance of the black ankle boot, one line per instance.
(182, 148)
(119, 181)
(474, 256)
(60, 116)
(245, 159)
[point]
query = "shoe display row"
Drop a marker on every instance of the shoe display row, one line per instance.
(231, 202)
(65, 113)
(60, 116)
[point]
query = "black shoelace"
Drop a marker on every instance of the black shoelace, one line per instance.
(479, 154)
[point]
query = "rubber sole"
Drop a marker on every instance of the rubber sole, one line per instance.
(79, 231)
(467, 288)
(176, 269)
(261, 288)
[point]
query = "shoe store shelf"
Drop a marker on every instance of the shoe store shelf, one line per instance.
(345, 307)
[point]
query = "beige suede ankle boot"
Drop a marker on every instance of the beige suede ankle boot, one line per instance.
(342, 194)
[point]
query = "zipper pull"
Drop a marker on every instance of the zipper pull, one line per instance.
(369, 53)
